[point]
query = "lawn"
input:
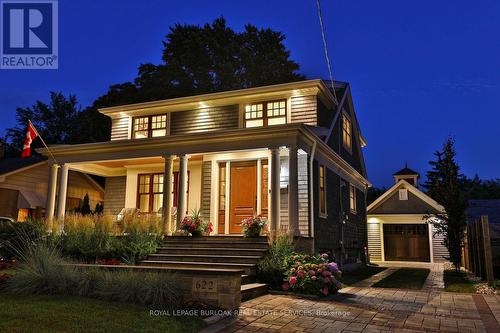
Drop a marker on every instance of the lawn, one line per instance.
(54, 314)
(349, 278)
(404, 278)
(457, 282)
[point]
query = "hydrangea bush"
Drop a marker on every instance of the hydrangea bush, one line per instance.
(312, 275)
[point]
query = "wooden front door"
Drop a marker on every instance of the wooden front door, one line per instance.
(406, 242)
(243, 200)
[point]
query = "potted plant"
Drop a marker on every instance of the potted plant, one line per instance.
(252, 226)
(194, 224)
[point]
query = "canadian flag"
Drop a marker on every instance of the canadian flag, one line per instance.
(31, 134)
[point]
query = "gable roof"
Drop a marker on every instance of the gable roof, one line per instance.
(15, 164)
(403, 183)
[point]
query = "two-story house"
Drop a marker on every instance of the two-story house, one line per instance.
(290, 152)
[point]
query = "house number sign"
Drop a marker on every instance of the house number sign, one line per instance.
(205, 285)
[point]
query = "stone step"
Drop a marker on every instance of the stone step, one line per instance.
(253, 290)
(186, 249)
(217, 243)
(249, 269)
(247, 279)
(216, 238)
(206, 257)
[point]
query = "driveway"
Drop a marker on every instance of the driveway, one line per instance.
(357, 309)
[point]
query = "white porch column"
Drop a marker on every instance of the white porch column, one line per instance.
(293, 191)
(50, 204)
(63, 190)
(182, 189)
(167, 194)
(275, 189)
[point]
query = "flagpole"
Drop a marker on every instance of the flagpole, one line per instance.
(36, 131)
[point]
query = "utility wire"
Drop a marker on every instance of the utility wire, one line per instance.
(326, 50)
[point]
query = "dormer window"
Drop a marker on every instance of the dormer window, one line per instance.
(346, 133)
(149, 126)
(265, 114)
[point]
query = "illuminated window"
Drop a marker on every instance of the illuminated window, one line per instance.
(346, 133)
(150, 192)
(149, 127)
(352, 198)
(322, 191)
(265, 114)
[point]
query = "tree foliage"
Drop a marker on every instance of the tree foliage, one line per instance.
(195, 60)
(445, 184)
(209, 58)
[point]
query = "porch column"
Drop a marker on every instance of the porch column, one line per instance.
(293, 191)
(50, 204)
(61, 196)
(275, 189)
(182, 189)
(167, 194)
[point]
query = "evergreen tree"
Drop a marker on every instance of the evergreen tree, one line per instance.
(445, 184)
(85, 208)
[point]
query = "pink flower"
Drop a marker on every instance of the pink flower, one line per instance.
(285, 286)
(325, 291)
(314, 278)
(311, 273)
(333, 267)
(324, 256)
(327, 274)
(300, 274)
(292, 280)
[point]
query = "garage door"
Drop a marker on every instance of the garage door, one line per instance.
(406, 242)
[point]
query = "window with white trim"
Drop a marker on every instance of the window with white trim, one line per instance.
(403, 194)
(265, 114)
(352, 198)
(149, 126)
(346, 132)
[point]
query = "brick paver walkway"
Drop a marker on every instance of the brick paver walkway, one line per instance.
(435, 279)
(368, 310)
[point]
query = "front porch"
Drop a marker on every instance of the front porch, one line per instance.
(269, 174)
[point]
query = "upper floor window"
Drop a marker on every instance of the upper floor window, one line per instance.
(322, 190)
(346, 132)
(149, 126)
(265, 114)
(352, 198)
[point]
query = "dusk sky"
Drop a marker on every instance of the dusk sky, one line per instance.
(419, 70)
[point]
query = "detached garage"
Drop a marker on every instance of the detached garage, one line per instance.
(397, 230)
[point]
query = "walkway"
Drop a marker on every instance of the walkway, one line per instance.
(368, 310)
(434, 280)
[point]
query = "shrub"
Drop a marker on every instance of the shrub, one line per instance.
(42, 270)
(92, 238)
(271, 269)
(313, 275)
(17, 235)
(139, 287)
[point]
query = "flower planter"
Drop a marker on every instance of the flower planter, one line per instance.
(196, 233)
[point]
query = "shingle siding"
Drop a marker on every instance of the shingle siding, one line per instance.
(328, 231)
(114, 195)
(204, 120)
(120, 128)
(303, 110)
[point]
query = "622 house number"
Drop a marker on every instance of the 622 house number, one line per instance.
(205, 285)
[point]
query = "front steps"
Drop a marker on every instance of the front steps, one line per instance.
(214, 252)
